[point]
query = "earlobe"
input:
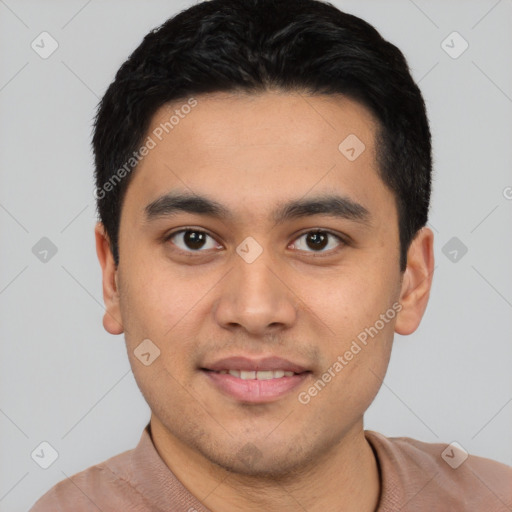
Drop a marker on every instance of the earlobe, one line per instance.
(417, 282)
(112, 321)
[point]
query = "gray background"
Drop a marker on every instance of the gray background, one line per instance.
(66, 381)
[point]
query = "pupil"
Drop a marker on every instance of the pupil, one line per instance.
(319, 240)
(194, 240)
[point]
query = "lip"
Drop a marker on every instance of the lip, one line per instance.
(254, 390)
(251, 364)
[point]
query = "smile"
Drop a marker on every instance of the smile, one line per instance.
(255, 386)
(258, 375)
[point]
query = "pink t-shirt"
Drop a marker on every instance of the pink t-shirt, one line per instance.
(415, 477)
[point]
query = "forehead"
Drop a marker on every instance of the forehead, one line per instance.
(250, 149)
(245, 119)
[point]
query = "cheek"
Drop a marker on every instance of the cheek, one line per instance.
(360, 309)
(350, 300)
(167, 308)
(355, 364)
(154, 300)
(160, 309)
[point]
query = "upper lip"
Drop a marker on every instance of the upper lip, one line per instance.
(253, 364)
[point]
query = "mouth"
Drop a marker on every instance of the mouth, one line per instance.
(258, 375)
(255, 380)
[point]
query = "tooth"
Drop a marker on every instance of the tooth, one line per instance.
(260, 375)
(265, 375)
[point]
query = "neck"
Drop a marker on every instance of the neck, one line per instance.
(345, 479)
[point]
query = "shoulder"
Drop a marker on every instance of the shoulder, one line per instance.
(429, 474)
(105, 486)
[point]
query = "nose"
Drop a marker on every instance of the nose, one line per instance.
(256, 298)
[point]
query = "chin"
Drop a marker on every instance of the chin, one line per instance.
(250, 461)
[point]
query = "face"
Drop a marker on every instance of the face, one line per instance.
(261, 259)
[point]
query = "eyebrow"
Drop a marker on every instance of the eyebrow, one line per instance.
(332, 205)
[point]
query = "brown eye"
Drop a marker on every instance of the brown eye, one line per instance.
(317, 241)
(192, 240)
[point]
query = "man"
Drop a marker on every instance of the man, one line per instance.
(263, 184)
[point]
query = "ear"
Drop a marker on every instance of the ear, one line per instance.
(416, 282)
(112, 321)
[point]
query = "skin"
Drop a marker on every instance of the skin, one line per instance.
(251, 153)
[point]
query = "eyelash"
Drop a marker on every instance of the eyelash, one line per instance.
(192, 253)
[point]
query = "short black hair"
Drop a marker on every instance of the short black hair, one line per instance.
(253, 46)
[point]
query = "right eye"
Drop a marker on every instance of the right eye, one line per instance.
(192, 240)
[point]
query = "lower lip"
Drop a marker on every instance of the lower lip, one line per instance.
(254, 390)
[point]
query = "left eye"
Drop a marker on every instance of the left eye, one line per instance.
(317, 241)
